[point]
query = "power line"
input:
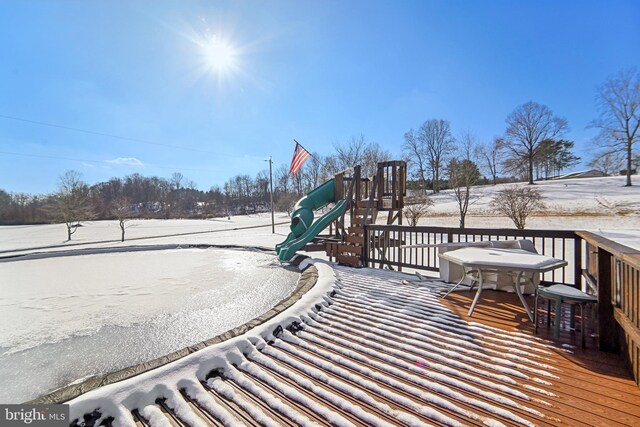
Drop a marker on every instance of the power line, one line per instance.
(44, 156)
(108, 135)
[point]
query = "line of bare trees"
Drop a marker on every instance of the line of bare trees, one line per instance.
(531, 148)
(137, 196)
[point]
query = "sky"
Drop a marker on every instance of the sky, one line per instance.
(211, 89)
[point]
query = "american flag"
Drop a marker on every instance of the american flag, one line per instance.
(300, 155)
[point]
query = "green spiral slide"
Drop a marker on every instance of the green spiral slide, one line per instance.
(303, 227)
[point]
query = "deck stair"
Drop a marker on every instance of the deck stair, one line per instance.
(349, 251)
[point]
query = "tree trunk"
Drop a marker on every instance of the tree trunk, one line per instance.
(435, 181)
(530, 169)
(69, 233)
(628, 184)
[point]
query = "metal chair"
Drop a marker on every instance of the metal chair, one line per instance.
(563, 294)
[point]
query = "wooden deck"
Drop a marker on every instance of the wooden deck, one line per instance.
(384, 352)
(594, 388)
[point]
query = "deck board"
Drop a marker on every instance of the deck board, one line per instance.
(384, 351)
(597, 384)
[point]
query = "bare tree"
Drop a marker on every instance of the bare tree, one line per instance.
(71, 202)
(176, 181)
(357, 151)
(607, 162)
(438, 143)
(261, 190)
(5, 204)
(299, 183)
(313, 168)
(513, 166)
(490, 154)
(351, 153)
(527, 126)
(373, 155)
(464, 174)
(415, 153)
(282, 178)
(517, 203)
(618, 102)
(330, 165)
(121, 210)
(175, 191)
(417, 210)
(286, 202)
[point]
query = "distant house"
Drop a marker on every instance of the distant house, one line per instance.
(593, 173)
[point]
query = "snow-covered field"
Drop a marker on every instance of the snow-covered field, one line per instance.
(594, 196)
(107, 233)
(56, 308)
(602, 205)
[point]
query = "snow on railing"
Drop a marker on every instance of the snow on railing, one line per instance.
(416, 247)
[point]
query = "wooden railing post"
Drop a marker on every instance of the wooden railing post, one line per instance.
(577, 262)
(607, 325)
(365, 246)
(398, 244)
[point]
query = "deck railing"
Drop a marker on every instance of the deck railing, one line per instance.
(595, 263)
(397, 246)
(615, 270)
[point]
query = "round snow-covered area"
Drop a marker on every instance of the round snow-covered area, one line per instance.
(63, 319)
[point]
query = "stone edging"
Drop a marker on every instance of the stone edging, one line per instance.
(308, 278)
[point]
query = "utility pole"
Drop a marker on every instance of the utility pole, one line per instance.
(273, 223)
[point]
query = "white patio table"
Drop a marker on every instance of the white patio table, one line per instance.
(477, 261)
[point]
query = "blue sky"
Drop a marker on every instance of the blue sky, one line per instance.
(316, 71)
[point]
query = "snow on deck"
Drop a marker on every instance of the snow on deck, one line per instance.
(363, 347)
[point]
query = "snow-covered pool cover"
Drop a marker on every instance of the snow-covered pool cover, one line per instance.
(65, 318)
(360, 348)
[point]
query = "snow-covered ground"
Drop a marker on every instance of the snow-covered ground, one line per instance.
(47, 300)
(107, 233)
(594, 196)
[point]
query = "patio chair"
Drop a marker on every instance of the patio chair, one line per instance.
(524, 244)
(503, 280)
(563, 294)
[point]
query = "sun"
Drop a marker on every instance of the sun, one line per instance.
(221, 56)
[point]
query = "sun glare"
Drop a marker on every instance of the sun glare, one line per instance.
(221, 56)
